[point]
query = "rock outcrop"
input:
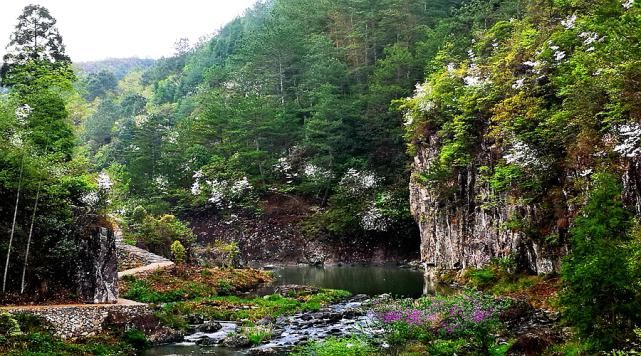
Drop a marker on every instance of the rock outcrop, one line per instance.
(458, 230)
(97, 267)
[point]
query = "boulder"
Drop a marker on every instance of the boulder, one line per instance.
(97, 273)
(236, 341)
(209, 327)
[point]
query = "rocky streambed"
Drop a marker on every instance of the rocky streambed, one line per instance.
(228, 338)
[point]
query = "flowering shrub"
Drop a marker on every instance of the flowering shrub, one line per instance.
(473, 315)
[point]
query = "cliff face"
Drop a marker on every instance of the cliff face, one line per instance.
(460, 231)
(97, 274)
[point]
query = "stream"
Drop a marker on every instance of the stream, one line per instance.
(339, 319)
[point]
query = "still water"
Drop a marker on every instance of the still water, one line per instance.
(371, 280)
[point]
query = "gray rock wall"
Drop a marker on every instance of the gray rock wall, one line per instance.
(97, 267)
(459, 231)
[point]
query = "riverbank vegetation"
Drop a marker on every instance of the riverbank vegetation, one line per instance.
(185, 293)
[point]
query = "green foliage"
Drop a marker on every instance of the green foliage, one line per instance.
(136, 339)
(257, 334)
(349, 346)
(239, 308)
(9, 326)
(601, 294)
(178, 251)
(305, 82)
(481, 278)
(159, 235)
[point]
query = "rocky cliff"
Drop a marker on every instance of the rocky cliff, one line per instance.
(460, 229)
(97, 274)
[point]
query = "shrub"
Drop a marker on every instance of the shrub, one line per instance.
(351, 346)
(178, 251)
(601, 286)
(158, 234)
(472, 314)
(136, 338)
(9, 326)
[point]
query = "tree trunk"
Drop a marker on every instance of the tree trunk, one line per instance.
(26, 256)
(13, 228)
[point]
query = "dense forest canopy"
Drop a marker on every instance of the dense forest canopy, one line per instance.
(294, 97)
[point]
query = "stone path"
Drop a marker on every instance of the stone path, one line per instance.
(151, 260)
(121, 302)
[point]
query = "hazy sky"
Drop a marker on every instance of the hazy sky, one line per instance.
(98, 29)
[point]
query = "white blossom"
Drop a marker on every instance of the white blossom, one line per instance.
(356, 182)
(162, 183)
(373, 219)
(195, 188)
(470, 53)
(283, 165)
(23, 112)
(629, 138)
(627, 4)
(16, 140)
(104, 182)
(586, 172)
(589, 37)
(472, 81)
(171, 137)
(241, 186)
(518, 84)
(140, 120)
(451, 67)
(90, 199)
(217, 195)
(569, 22)
(522, 155)
(559, 55)
(317, 173)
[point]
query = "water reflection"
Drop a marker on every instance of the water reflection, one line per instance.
(371, 280)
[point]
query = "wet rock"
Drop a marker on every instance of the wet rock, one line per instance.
(533, 343)
(165, 335)
(195, 319)
(206, 342)
(236, 341)
(264, 351)
(209, 327)
(294, 289)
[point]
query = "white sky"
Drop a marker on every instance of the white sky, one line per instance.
(99, 29)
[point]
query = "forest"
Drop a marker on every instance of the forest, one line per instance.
(494, 146)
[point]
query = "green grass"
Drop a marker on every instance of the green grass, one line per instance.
(350, 346)
(257, 334)
(237, 308)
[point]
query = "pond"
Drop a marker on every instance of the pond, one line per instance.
(370, 280)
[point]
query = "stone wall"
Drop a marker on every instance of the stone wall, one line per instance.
(75, 321)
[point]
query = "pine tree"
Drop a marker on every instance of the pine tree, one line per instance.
(35, 39)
